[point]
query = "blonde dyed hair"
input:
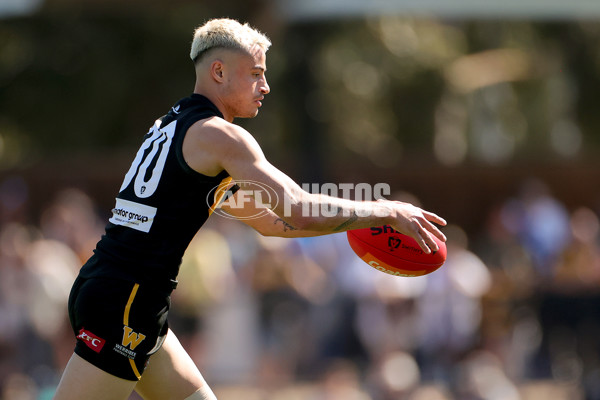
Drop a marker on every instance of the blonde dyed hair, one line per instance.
(226, 33)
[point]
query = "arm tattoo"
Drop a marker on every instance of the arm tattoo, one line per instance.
(347, 223)
(286, 226)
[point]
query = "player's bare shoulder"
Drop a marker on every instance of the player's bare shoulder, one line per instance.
(210, 142)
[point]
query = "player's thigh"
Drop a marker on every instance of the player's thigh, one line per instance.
(172, 375)
(82, 380)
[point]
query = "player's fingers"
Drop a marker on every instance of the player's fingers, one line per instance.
(424, 239)
(434, 218)
(435, 230)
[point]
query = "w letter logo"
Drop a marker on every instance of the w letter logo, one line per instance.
(131, 339)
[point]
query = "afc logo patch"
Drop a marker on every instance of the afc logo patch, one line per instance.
(92, 341)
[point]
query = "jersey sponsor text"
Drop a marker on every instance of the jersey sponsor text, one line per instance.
(133, 215)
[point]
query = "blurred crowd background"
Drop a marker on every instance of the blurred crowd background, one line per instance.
(490, 121)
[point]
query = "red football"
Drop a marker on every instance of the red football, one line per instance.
(389, 251)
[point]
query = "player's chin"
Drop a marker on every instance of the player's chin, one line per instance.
(252, 114)
(247, 116)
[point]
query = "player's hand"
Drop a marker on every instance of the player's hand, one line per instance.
(418, 224)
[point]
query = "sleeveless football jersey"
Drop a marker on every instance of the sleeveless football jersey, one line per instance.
(161, 204)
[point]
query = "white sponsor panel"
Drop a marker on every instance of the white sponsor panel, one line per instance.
(133, 215)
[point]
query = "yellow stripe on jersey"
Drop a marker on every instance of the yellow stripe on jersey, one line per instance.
(219, 194)
(129, 302)
(126, 322)
(134, 368)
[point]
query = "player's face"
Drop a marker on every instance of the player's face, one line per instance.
(248, 86)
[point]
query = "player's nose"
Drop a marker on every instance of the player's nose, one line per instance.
(264, 88)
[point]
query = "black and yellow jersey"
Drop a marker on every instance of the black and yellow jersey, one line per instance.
(161, 204)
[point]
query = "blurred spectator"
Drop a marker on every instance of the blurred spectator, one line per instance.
(341, 380)
(14, 200)
(540, 222)
(482, 376)
(568, 307)
(578, 267)
(430, 392)
(15, 289)
(449, 311)
(398, 375)
(35, 279)
(214, 315)
(19, 387)
(71, 218)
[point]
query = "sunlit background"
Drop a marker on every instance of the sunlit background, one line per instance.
(486, 114)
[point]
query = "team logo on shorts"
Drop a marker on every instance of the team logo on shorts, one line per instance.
(92, 341)
(130, 341)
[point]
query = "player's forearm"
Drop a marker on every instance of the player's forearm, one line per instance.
(321, 213)
(280, 228)
(308, 214)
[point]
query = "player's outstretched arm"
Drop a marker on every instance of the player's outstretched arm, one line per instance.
(262, 219)
(267, 223)
(233, 149)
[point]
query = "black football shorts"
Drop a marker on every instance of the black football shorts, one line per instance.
(119, 324)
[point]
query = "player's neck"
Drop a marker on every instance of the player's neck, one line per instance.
(214, 98)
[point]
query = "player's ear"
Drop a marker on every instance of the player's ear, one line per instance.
(217, 70)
